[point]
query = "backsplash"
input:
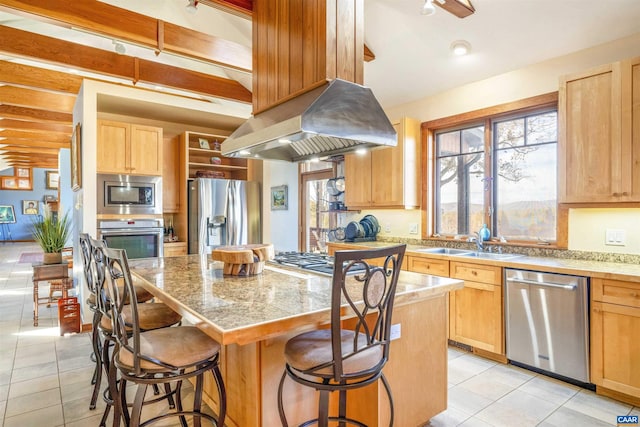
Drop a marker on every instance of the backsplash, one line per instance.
(523, 250)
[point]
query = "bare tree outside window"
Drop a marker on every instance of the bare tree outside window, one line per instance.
(521, 182)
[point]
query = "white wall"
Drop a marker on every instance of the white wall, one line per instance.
(280, 227)
(586, 226)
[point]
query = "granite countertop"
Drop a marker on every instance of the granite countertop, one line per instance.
(599, 269)
(241, 310)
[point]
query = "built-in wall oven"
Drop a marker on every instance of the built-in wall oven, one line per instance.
(129, 194)
(141, 238)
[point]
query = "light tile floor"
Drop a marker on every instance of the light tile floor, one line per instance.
(44, 378)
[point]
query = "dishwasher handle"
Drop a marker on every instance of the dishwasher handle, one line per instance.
(545, 284)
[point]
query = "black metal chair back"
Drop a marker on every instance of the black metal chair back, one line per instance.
(369, 290)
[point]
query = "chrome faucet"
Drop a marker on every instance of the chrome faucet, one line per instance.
(479, 243)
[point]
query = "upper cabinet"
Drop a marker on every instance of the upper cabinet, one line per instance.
(205, 159)
(386, 177)
(125, 148)
(599, 135)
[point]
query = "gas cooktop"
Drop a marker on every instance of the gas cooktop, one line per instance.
(318, 263)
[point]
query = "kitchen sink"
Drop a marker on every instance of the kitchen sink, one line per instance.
(488, 255)
(445, 251)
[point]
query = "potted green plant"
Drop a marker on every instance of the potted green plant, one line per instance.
(52, 233)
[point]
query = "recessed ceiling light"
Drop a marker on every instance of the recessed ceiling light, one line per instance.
(361, 151)
(284, 141)
(119, 47)
(460, 47)
(192, 7)
(244, 152)
(428, 8)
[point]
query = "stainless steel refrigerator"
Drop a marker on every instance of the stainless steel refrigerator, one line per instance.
(223, 212)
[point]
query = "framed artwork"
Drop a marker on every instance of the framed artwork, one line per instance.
(24, 183)
(23, 172)
(9, 182)
(279, 198)
(203, 143)
(7, 214)
(76, 158)
(30, 207)
(53, 178)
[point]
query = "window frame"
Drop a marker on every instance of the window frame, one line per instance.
(483, 116)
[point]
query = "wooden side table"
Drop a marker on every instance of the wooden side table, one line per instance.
(46, 273)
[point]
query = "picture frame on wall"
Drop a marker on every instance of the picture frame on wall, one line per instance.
(279, 198)
(7, 214)
(23, 172)
(24, 183)
(53, 180)
(76, 158)
(9, 183)
(30, 207)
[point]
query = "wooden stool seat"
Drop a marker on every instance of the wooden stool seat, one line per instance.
(179, 346)
(152, 315)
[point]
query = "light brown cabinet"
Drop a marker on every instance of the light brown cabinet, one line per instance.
(175, 249)
(476, 311)
(125, 148)
(171, 185)
(386, 177)
(615, 326)
(435, 267)
(598, 140)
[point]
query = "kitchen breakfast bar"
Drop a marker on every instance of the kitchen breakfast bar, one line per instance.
(254, 316)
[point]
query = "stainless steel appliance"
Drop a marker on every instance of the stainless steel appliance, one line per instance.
(129, 194)
(317, 263)
(223, 212)
(547, 322)
(332, 119)
(141, 238)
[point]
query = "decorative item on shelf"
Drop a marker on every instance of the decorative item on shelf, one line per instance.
(51, 234)
(216, 145)
(209, 174)
(203, 143)
(216, 160)
(366, 230)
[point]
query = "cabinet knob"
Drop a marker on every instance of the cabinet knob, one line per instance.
(475, 273)
(616, 194)
(634, 294)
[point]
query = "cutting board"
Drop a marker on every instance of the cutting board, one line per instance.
(243, 260)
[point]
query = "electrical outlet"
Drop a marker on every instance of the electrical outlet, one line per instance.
(387, 228)
(413, 228)
(396, 331)
(615, 237)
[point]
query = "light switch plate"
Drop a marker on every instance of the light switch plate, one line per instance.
(396, 331)
(615, 237)
(413, 228)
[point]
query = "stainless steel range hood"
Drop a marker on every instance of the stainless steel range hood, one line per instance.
(323, 122)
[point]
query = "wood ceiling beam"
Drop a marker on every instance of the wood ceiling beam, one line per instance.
(59, 137)
(38, 99)
(37, 150)
(44, 164)
(12, 142)
(98, 18)
(48, 49)
(15, 74)
(31, 126)
(459, 8)
(24, 113)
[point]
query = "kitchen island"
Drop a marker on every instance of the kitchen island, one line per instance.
(253, 317)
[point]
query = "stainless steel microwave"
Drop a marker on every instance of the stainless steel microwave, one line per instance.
(129, 194)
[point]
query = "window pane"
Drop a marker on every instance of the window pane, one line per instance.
(473, 140)
(460, 194)
(542, 128)
(448, 143)
(526, 192)
(510, 133)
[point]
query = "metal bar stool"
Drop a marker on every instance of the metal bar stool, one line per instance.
(159, 356)
(152, 316)
(339, 359)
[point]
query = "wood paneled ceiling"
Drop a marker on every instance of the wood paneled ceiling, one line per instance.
(36, 102)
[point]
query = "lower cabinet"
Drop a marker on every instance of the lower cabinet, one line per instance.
(476, 311)
(615, 333)
(175, 249)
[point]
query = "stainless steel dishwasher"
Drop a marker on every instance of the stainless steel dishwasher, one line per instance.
(547, 323)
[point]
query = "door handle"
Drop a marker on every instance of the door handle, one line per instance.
(545, 284)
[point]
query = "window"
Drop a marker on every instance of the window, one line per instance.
(497, 170)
